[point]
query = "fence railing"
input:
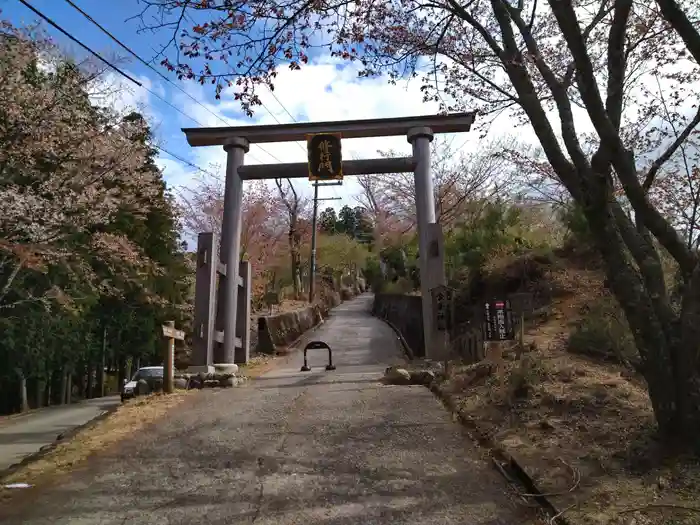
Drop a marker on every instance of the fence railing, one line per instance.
(467, 343)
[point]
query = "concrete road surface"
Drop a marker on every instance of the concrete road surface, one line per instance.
(325, 448)
(24, 435)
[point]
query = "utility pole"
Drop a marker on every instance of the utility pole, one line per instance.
(312, 266)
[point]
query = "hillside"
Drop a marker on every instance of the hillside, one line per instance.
(572, 409)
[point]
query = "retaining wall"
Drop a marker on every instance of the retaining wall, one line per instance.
(405, 313)
(275, 333)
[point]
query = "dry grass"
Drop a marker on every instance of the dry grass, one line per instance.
(258, 365)
(286, 305)
(127, 420)
(584, 430)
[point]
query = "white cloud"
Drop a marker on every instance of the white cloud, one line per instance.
(321, 91)
(113, 91)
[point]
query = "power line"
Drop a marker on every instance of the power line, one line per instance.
(161, 75)
(335, 190)
(285, 110)
(184, 161)
(55, 25)
(107, 62)
(125, 75)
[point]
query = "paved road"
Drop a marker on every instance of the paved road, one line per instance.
(24, 435)
(326, 448)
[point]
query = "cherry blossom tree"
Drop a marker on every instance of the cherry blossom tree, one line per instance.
(462, 182)
(67, 169)
(90, 251)
(264, 222)
(296, 207)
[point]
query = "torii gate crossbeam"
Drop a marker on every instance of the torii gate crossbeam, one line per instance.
(236, 141)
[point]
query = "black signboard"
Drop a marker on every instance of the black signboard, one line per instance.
(443, 297)
(498, 321)
(325, 157)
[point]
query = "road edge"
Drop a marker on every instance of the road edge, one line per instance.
(505, 461)
(60, 438)
(502, 458)
(407, 350)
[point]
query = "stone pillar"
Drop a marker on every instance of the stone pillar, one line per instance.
(230, 252)
(243, 313)
(420, 138)
(204, 304)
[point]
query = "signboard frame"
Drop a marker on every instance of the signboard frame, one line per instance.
(498, 327)
(335, 156)
(172, 333)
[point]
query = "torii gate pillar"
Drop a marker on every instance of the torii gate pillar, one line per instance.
(230, 252)
(431, 268)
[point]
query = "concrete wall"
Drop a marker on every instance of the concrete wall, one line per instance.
(275, 333)
(404, 312)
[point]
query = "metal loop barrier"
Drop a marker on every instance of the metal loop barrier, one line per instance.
(317, 345)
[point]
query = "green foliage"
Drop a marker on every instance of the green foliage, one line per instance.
(51, 320)
(327, 221)
(353, 222)
(340, 253)
(499, 226)
(372, 270)
(578, 233)
(401, 286)
(603, 332)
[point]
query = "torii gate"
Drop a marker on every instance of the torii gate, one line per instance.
(217, 320)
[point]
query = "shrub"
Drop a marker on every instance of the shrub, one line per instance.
(578, 233)
(604, 333)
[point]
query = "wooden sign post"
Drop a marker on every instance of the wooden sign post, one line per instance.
(169, 361)
(498, 327)
(521, 303)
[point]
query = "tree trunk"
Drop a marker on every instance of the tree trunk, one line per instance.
(669, 361)
(121, 369)
(80, 380)
(90, 370)
(64, 386)
(295, 257)
(23, 399)
(69, 386)
(40, 387)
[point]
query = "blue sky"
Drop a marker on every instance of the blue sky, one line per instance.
(326, 90)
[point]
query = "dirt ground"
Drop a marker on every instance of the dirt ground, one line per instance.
(582, 429)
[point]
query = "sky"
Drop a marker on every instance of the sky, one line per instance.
(325, 90)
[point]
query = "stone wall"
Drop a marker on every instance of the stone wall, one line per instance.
(405, 313)
(275, 333)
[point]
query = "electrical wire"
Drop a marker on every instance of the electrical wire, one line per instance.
(183, 161)
(161, 75)
(115, 68)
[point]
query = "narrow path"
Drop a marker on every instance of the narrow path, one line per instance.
(330, 448)
(24, 435)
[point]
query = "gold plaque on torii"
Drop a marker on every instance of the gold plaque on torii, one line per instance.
(325, 156)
